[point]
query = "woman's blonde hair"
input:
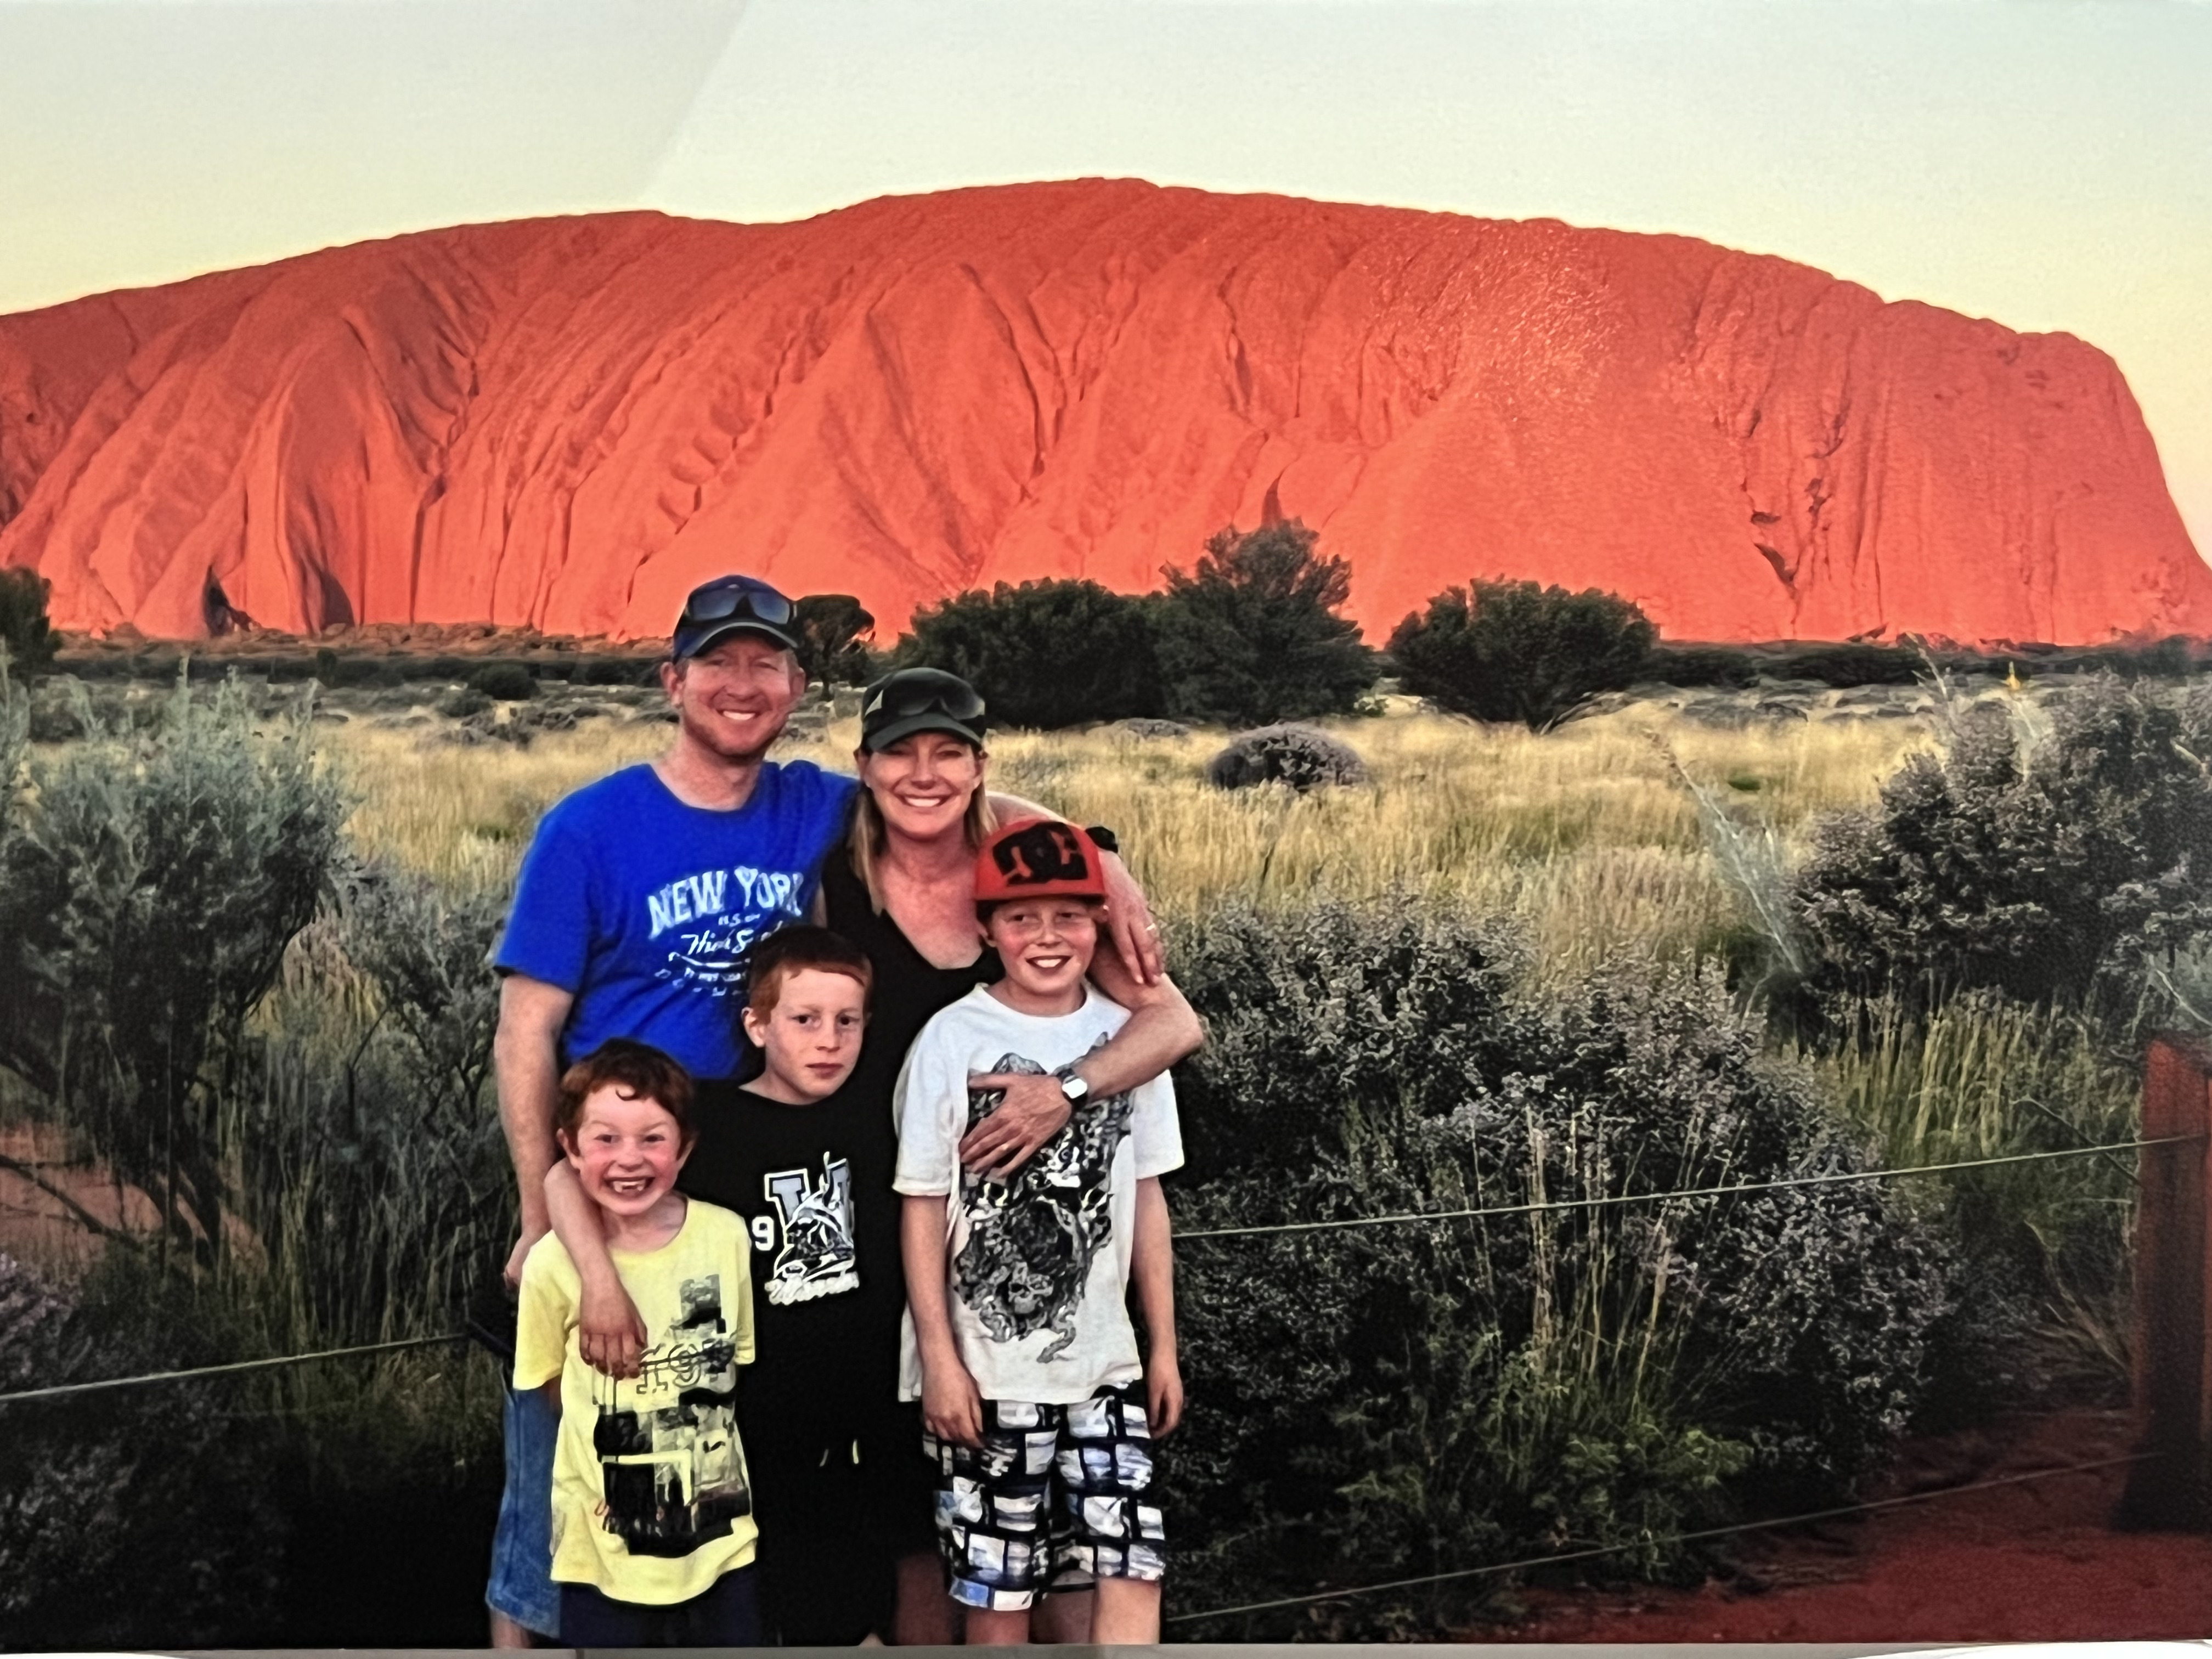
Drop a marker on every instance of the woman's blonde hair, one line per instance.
(869, 833)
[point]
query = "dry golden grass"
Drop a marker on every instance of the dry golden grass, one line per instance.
(464, 814)
(1582, 832)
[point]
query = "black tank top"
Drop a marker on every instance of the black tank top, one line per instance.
(908, 987)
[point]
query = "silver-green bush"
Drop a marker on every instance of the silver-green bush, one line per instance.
(1376, 1402)
(1303, 757)
(147, 896)
(2042, 872)
(122, 1514)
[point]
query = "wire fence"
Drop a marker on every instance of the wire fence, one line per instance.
(1610, 1199)
(63, 1390)
(1774, 1524)
(1600, 1201)
(1488, 1569)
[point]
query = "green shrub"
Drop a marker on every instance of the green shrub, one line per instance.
(123, 1515)
(1520, 651)
(372, 1092)
(344, 1132)
(1844, 666)
(504, 682)
(833, 640)
(616, 670)
(15, 744)
(64, 707)
(1702, 665)
(1984, 1076)
(100, 665)
(26, 637)
(1377, 1402)
(333, 669)
(1299, 756)
(146, 901)
(1045, 655)
(465, 704)
(56, 710)
(2173, 658)
(2039, 874)
(1252, 636)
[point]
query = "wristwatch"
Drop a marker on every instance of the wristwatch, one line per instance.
(1072, 1086)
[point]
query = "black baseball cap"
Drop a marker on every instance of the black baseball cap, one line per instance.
(733, 604)
(920, 700)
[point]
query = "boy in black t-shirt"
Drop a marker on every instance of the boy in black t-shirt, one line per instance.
(840, 1487)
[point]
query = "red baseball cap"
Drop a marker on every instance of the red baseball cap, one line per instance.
(1039, 858)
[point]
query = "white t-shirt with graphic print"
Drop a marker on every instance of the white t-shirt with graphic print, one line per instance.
(1037, 1270)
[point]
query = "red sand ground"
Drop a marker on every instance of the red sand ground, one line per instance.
(2025, 1562)
(35, 1227)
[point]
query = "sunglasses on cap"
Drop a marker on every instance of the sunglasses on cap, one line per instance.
(735, 596)
(730, 603)
(920, 700)
(951, 696)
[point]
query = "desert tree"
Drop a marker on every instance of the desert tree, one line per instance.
(25, 634)
(1253, 636)
(833, 631)
(1520, 651)
(1044, 655)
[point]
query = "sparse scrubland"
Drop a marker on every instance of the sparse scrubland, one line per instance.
(1667, 944)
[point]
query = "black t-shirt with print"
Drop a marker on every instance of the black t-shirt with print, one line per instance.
(828, 1347)
(813, 1186)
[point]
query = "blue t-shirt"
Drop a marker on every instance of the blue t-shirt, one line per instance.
(645, 908)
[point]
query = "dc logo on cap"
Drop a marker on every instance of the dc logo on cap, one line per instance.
(1044, 852)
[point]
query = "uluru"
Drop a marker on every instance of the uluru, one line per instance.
(564, 423)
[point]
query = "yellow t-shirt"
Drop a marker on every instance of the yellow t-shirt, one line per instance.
(651, 1500)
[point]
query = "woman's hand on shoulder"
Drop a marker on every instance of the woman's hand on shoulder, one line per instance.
(1129, 921)
(1031, 1110)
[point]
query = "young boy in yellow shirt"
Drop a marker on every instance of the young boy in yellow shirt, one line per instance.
(652, 1525)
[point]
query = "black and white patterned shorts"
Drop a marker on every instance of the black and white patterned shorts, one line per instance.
(1059, 1497)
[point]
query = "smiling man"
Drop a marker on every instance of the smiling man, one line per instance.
(640, 899)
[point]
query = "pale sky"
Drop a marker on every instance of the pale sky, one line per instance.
(2045, 164)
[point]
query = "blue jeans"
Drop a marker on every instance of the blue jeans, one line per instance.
(725, 1616)
(522, 1587)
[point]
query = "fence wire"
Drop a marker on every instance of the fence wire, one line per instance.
(1602, 1203)
(1492, 1569)
(1542, 1205)
(61, 1389)
(1531, 1562)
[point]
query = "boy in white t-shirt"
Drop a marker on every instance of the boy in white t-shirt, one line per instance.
(1039, 1412)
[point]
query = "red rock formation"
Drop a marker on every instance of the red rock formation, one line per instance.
(565, 423)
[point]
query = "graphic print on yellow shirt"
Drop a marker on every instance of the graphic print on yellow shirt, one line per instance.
(650, 1501)
(670, 1476)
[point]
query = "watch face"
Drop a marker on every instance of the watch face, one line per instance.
(1074, 1088)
